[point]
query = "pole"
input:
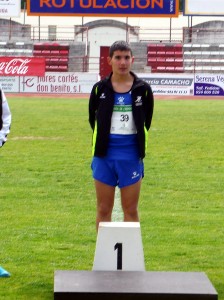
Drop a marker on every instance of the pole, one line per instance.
(39, 26)
(24, 13)
(82, 27)
(127, 39)
(10, 28)
(170, 29)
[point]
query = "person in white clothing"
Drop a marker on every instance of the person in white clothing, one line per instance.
(5, 118)
(5, 123)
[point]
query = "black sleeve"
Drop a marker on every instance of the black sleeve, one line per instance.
(149, 107)
(93, 106)
(94, 102)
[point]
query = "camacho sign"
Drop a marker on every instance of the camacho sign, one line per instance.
(119, 8)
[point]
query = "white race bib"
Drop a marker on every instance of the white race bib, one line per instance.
(122, 121)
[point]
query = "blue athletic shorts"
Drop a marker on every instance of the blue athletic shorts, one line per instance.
(117, 172)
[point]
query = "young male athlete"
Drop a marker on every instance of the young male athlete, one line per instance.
(120, 114)
(5, 118)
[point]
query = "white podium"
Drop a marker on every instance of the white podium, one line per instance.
(119, 247)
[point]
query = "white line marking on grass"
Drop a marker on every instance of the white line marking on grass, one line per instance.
(32, 138)
(117, 215)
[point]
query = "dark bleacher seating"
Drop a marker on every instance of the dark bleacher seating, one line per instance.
(56, 55)
(165, 58)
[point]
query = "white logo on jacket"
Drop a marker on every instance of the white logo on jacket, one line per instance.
(138, 101)
(102, 96)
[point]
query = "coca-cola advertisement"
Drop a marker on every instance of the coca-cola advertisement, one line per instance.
(22, 66)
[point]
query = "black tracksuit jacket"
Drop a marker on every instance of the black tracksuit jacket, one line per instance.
(101, 105)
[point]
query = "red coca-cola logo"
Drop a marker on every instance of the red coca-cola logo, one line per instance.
(22, 66)
(16, 66)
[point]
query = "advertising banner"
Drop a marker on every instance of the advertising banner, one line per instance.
(204, 8)
(119, 8)
(170, 84)
(21, 66)
(78, 83)
(59, 83)
(209, 85)
(10, 8)
(9, 84)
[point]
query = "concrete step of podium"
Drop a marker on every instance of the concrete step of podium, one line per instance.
(132, 285)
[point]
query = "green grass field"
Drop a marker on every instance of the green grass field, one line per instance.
(48, 201)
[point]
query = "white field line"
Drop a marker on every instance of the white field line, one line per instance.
(117, 215)
(33, 138)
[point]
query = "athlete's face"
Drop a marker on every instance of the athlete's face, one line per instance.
(121, 62)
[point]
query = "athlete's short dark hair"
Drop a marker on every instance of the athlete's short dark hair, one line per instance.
(119, 46)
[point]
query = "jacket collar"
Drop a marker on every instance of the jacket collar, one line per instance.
(136, 82)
